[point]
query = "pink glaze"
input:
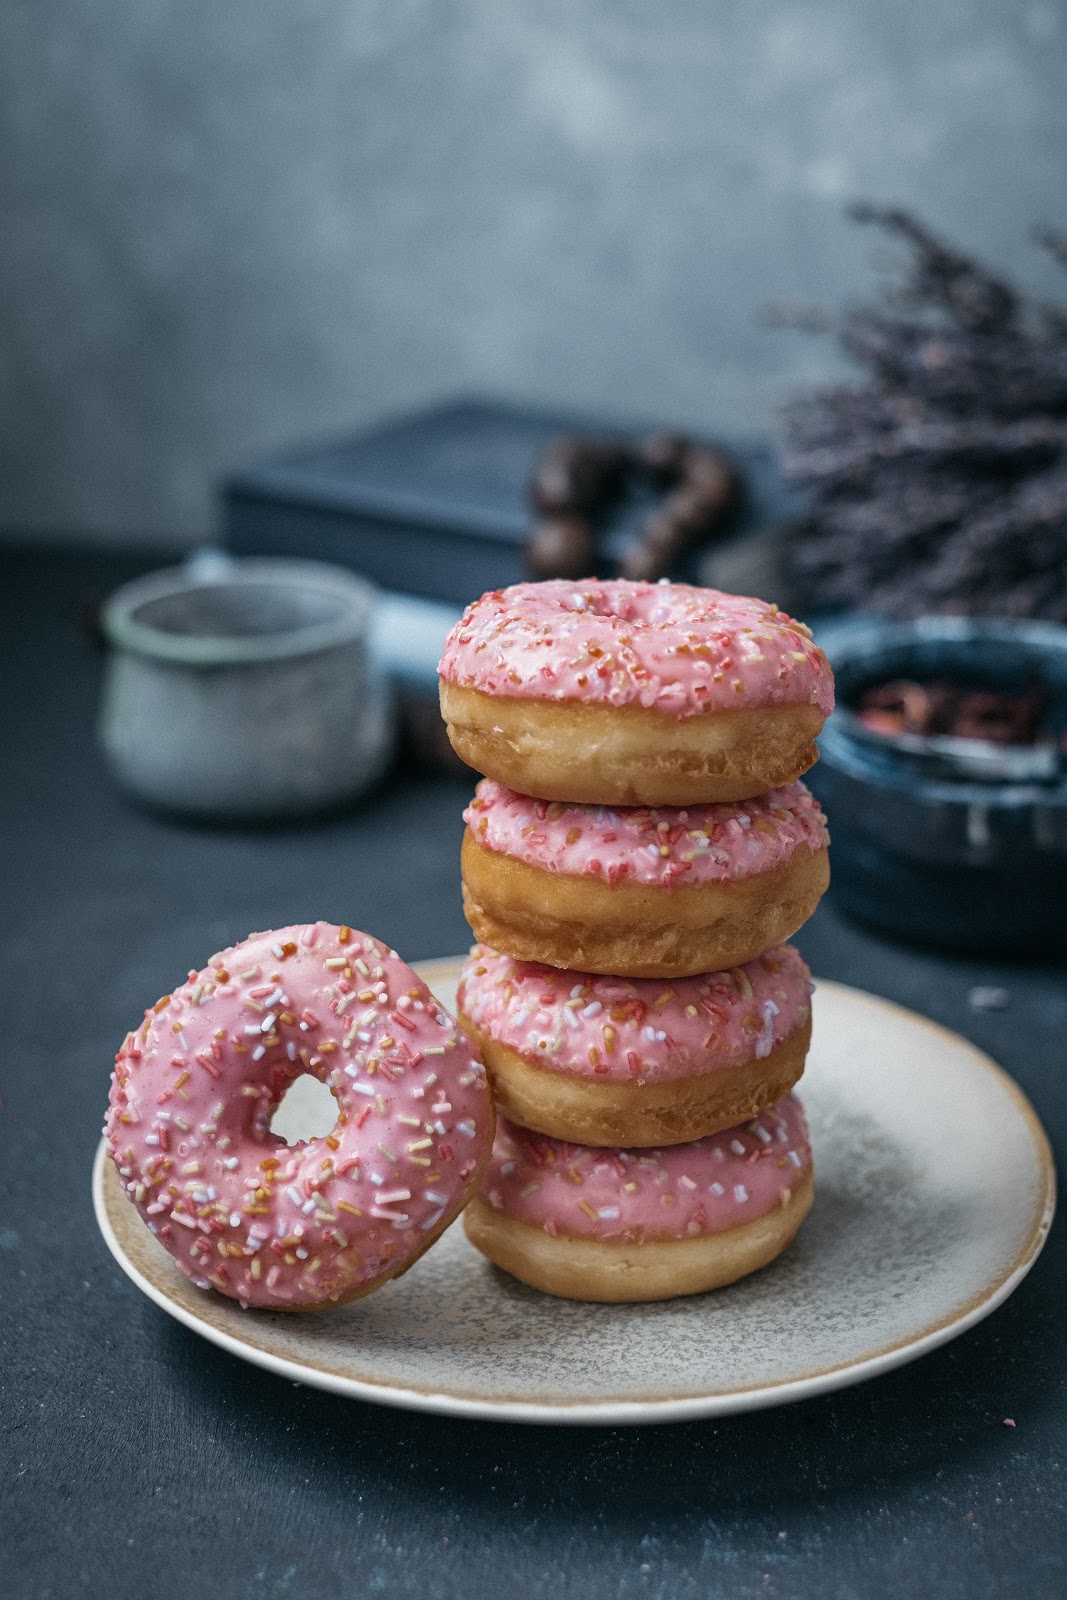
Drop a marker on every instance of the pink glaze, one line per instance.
(660, 846)
(636, 1030)
(632, 1196)
(668, 646)
(196, 1085)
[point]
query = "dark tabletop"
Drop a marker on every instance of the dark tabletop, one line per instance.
(141, 1462)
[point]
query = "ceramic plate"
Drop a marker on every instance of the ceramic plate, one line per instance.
(934, 1194)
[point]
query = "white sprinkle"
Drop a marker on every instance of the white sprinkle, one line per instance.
(761, 1133)
(294, 1194)
(432, 1220)
(608, 1213)
(571, 1019)
(686, 1183)
(259, 1052)
(765, 1038)
(231, 1164)
(365, 1088)
(737, 1147)
(717, 1188)
(740, 1192)
(290, 1050)
(467, 1128)
(593, 1009)
(795, 1159)
(267, 1025)
(436, 1197)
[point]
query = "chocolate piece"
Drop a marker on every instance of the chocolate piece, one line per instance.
(578, 475)
(577, 480)
(663, 456)
(561, 547)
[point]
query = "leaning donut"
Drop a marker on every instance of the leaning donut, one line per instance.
(620, 1225)
(621, 693)
(642, 892)
(611, 1061)
(324, 1221)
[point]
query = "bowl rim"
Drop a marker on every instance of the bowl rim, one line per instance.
(128, 633)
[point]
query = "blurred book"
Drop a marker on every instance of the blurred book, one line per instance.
(434, 504)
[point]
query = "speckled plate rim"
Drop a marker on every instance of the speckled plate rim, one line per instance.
(614, 1413)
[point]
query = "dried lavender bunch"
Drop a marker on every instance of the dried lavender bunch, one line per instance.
(940, 485)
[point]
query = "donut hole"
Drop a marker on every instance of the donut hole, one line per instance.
(307, 1110)
(637, 608)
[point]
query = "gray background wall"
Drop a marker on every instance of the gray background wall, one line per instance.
(231, 224)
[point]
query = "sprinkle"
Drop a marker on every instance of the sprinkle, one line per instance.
(740, 1192)
(609, 1213)
(737, 1147)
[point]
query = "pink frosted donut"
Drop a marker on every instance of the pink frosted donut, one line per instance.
(623, 693)
(593, 1224)
(324, 1221)
(615, 1061)
(642, 891)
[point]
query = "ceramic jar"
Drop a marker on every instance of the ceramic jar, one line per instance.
(244, 690)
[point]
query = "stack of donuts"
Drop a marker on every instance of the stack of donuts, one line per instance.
(636, 856)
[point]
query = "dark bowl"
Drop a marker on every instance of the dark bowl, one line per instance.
(948, 842)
